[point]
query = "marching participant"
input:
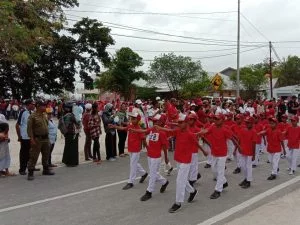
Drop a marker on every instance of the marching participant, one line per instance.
(258, 147)
(219, 152)
(283, 126)
(293, 137)
(158, 142)
(134, 148)
(247, 138)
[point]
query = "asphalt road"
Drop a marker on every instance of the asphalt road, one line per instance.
(91, 195)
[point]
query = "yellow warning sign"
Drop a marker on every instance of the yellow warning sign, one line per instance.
(217, 81)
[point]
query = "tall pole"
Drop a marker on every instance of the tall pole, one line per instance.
(271, 77)
(238, 51)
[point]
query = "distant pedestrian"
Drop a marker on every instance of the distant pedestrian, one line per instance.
(88, 140)
(52, 129)
(95, 132)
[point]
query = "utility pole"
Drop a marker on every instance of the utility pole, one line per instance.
(271, 77)
(238, 50)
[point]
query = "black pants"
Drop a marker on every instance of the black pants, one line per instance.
(15, 115)
(50, 154)
(110, 145)
(122, 139)
(24, 154)
(96, 149)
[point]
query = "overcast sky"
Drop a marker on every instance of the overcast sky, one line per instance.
(276, 20)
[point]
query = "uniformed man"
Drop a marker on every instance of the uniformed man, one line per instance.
(37, 130)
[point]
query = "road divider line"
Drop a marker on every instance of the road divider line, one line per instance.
(67, 195)
(251, 201)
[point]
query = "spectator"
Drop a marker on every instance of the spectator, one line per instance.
(15, 110)
(52, 129)
(95, 132)
(4, 148)
(110, 137)
(122, 120)
(293, 106)
(86, 129)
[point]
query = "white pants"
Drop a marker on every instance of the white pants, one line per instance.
(246, 163)
(182, 183)
(154, 165)
(135, 167)
(237, 158)
(194, 167)
(258, 148)
(206, 148)
(218, 168)
(292, 156)
(230, 147)
(274, 160)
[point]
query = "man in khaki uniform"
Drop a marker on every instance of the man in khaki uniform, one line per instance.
(37, 130)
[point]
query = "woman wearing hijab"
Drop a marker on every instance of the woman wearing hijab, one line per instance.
(70, 156)
(110, 137)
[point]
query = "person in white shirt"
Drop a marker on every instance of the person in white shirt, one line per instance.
(219, 109)
(249, 108)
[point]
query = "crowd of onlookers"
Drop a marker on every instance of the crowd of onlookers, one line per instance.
(90, 116)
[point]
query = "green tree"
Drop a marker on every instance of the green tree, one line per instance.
(289, 71)
(122, 72)
(27, 24)
(58, 63)
(174, 70)
(252, 79)
(196, 88)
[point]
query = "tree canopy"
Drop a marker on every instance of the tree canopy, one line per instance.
(122, 73)
(252, 78)
(175, 70)
(289, 71)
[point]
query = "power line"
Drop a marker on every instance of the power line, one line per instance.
(255, 27)
(151, 13)
(214, 56)
(182, 42)
(216, 41)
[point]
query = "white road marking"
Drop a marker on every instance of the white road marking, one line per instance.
(67, 195)
(249, 202)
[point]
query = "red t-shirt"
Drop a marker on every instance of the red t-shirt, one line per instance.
(157, 139)
(258, 127)
(134, 139)
(201, 115)
(236, 128)
(283, 127)
(229, 123)
(219, 140)
(247, 139)
(208, 137)
(274, 138)
(172, 112)
(293, 137)
(184, 145)
(195, 147)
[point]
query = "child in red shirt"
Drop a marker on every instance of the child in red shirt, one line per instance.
(134, 148)
(194, 170)
(157, 142)
(293, 137)
(283, 126)
(275, 142)
(247, 139)
(185, 140)
(219, 153)
(258, 147)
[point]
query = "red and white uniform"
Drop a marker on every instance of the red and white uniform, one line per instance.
(157, 140)
(219, 153)
(293, 137)
(195, 159)
(274, 139)
(134, 149)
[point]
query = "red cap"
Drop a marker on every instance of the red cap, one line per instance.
(295, 118)
(220, 117)
(272, 119)
(239, 116)
(192, 116)
(249, 119)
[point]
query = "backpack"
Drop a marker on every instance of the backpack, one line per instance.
(62, 125)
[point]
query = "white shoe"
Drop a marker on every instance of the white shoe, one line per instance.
(288, 169)
(291, 172)
(112, 159)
